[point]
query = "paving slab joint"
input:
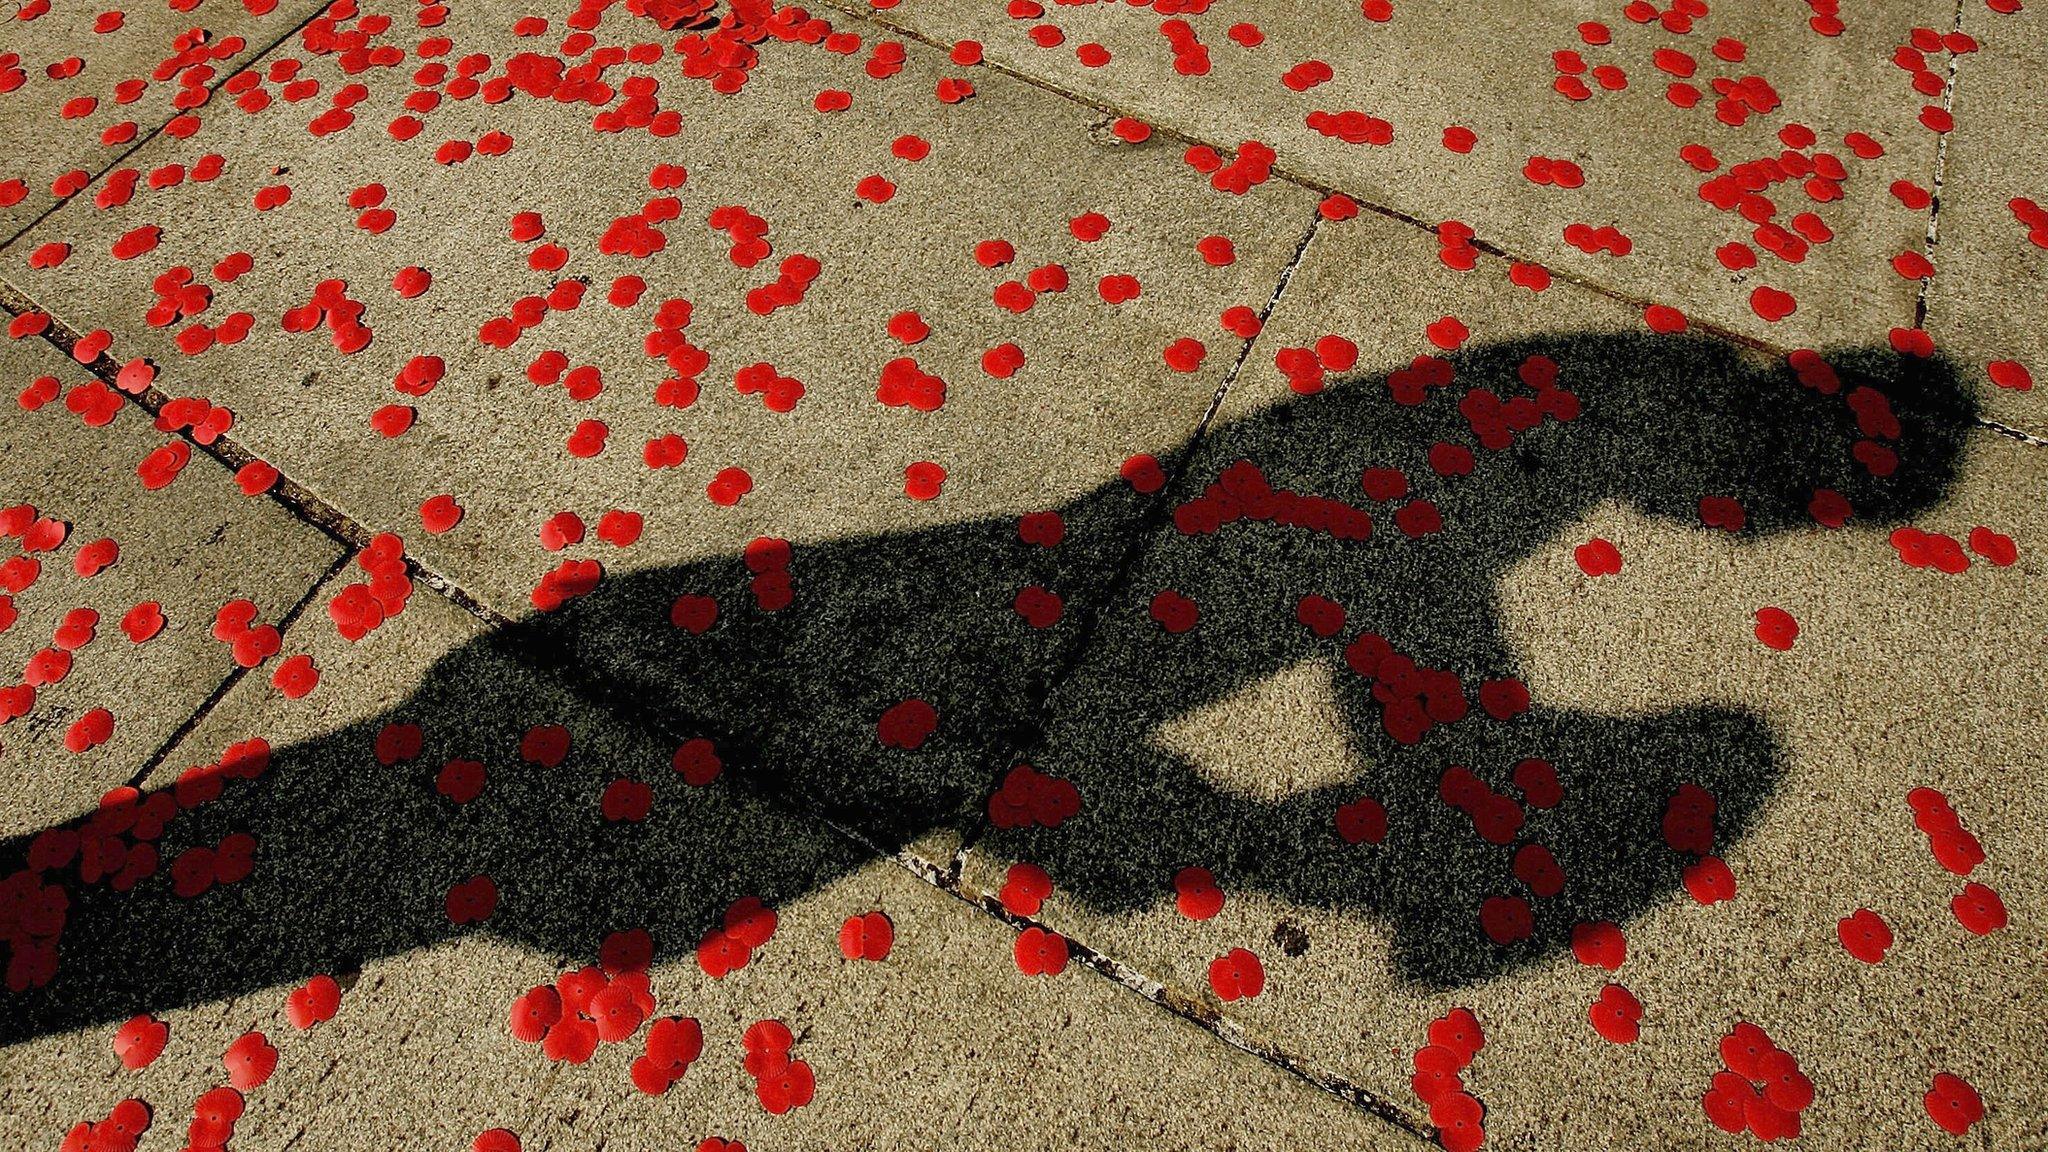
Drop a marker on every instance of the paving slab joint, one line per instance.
(2011, 433)
(1188, 1008)
(298, 501)
(540, 1096)
(170, 743)
(1934, 182)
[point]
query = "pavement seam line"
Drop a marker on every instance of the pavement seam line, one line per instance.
(1158, 511)
(233, 677)
(1265, 313)
(950, 878)
(145, 138)
(2012, 433)
(540, 1096)
(1948, 96)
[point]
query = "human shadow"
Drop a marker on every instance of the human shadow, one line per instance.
(354, 857)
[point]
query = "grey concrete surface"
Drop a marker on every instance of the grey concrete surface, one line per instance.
(188, 548)
(1433, 67)
(1013, 163)
(96, 81)
(1568, 499)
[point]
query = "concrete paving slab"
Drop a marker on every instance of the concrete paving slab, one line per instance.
(90, 543)
(81, 85)
(1219, 721)
(1361, 100)
(886, 585)
(1985, 303)
(354, 862)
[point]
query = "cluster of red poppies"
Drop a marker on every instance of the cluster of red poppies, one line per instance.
(1352, 126)
(635, 234)
(582, 1008)
(780, 1083)
(567, 581)
(1252, 166)
(1454, 1039)
(1762, 1089)
(1977, 907)
(786, 290)
(359, 608)
(332, 306)
(748, 925)
(1495, 422)
(120, 1131)
(197, 869)
(235, 625)
(673, 1044)
(1018, 296)
(1305, 368)
(1028, 796)
(1242, 492)
(1688, 826)
(778, 393)
(668, 342)
(767, 559)
(1413, 698)
(904, 384)
(1190, 55)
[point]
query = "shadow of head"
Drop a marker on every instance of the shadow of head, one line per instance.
(1658, 422)
(1506, 444)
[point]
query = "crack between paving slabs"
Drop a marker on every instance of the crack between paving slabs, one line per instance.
(1188, 1008)
(1948, 96)
(137, 144)
(540, 1096)
(234, 677)
(304, 505)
